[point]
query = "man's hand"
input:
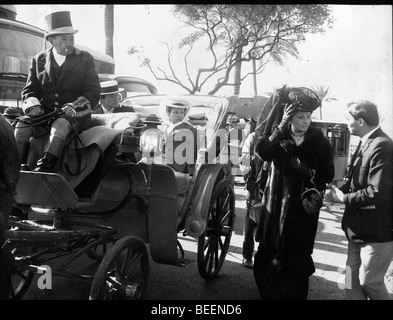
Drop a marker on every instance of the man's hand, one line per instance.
(68, 110)
(35, 111)
(334, 194)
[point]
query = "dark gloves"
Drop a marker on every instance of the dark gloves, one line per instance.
(301, 167)
(288, 145)
(289, 111)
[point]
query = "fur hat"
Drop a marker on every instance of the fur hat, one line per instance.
(59, 23)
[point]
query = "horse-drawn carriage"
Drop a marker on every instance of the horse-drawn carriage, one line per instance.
(56, 218)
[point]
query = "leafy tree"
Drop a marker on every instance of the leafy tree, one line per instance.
(322, 93)
(233, 34)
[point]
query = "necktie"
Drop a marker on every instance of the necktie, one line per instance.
(357, 151)
(355, 155)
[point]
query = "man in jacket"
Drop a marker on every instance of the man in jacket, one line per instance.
(62, 78)
(368, 198)
(110, 98)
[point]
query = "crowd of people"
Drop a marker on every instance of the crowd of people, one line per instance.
(281, 158)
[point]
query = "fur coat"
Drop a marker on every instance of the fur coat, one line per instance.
(285, 226)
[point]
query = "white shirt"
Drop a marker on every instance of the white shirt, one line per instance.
(58, 57)
(366, 136)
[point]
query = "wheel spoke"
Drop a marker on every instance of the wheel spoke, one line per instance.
(114, 282)
(133, 263)
(225, 216)
(214, 243)
(210, 260)
(220, 243)
(124, 271)
(20, 274)
(125, 265)
(210, 250)
(207, 243)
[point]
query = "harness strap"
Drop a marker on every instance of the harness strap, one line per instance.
(74, 137)
(37, 121)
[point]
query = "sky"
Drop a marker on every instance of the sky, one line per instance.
(353, 59)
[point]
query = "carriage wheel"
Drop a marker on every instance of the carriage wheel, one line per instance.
(123, 273)
(98, 252)
(20, 283)
(20, 278)
(214, 243)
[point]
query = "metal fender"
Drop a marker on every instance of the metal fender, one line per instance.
(162, 214)
(195, 224)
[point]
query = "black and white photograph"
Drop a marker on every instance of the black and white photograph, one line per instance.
(196, 157)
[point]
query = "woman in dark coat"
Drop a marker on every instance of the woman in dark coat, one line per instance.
(299, 154)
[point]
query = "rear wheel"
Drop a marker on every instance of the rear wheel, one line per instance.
(20, 283)
(98, 252)
(20, 275)
(213, 244)
(123, 273)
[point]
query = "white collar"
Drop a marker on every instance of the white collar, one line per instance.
(366, 136)
(58, 57)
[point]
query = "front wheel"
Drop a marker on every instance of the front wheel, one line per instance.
(19, 275)
(123, 273)
(213, 244)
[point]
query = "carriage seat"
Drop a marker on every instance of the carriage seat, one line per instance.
(51, 191)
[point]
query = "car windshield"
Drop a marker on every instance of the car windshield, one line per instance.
(132, 87)
(17, 49)
(207, 112)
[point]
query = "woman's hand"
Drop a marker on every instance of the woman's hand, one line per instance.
(300, 166)
(289, 111)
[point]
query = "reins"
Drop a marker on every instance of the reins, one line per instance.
(73, 137)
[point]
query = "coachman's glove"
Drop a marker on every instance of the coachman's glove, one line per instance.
(301, 167)
(34, 111)
(78, 108)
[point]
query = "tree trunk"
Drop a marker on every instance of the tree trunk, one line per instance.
(254, 76)
(238, 72)
(109, 29)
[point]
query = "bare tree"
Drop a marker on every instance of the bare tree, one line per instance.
(236, 34)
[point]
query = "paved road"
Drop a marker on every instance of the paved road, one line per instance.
(234, 281)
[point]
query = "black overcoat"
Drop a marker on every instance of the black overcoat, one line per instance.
(78, 79)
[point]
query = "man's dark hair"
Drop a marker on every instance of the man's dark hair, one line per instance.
(366, 110)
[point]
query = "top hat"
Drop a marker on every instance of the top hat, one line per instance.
(110, 87)
(152, 118)
(59, 23)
